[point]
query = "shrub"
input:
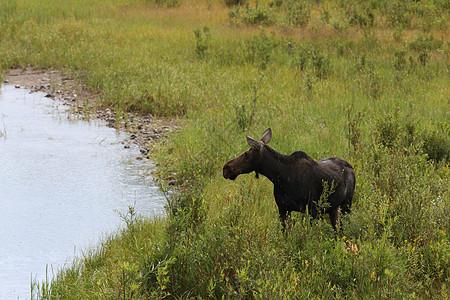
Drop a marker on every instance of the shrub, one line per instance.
(235, 2)
(298, 12)
(315, 60)
(261, 14)
(259, 50)
(245, 113)
(354, 133)
(388, 130)
(425, 43)
(202, 40)
(320, 63)
(362, 16)
(370, 79)
(436, 142)
(399, 14)
(400, 59)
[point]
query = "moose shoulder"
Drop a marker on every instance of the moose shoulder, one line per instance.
(300, 183)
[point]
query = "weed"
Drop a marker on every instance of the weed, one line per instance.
(321, 64)
(354, 128)
(328, 189)
(361, 15)
(260, 14)
(425, 43)
(309, 82)
(400, 60)
(202, 39)
(370, 80)
(246, 112)
(259, 50)
(298, 12)
(398, 33)
(399, 13)
(388, 129)
(436, 142)
(423, 57)
(235, 2)
(129, 217)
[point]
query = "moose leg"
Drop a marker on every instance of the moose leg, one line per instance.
(334, 218)
(312, 211)
(283, 218)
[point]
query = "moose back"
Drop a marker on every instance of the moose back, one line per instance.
(300, 182)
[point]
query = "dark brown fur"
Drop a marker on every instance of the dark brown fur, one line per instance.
(298, 179)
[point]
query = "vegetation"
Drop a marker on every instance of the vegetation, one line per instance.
(363, 80)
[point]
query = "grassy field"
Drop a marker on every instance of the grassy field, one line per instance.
(367, 81)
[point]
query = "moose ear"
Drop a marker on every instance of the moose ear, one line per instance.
(253, 143)
(267, 136)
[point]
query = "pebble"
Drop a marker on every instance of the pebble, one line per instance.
(144, 150)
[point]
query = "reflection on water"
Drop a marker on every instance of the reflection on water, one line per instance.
(62, 184)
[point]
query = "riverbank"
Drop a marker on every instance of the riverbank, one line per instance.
(143, 130)
(65, 183)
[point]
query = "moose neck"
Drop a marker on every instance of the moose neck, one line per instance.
(273, 165)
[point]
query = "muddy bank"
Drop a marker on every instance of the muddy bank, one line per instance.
(144, 130)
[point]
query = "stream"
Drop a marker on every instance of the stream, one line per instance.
(64, 184)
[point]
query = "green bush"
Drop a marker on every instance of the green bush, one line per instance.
(436, 142)
(298, 12)
(202, 41)
(261, 14)
(259, 50)
(361, 15)
(425, 43)
(235, 2)
(399, 13)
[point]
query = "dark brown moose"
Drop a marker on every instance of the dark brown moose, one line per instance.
(300, 183)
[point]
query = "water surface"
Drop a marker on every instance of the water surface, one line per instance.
(63, 183)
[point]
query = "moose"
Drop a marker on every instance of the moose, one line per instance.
(300, 183)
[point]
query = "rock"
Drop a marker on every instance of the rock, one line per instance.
(144, 150)
(17, 86)
(6, 81)
(50, 96)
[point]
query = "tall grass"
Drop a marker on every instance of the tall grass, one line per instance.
(365, 82)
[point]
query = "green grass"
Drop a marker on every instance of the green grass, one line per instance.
(367, 82)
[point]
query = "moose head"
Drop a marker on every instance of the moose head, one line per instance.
(249, 160)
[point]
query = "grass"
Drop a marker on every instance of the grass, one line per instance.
(367, 82)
